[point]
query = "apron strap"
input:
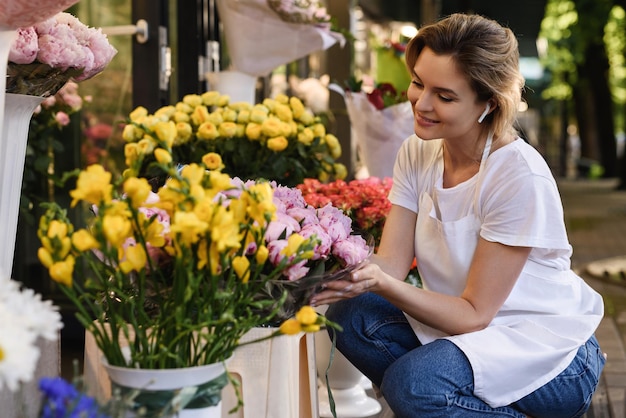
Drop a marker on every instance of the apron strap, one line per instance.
(481, 173)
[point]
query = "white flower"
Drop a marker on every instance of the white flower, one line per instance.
(24, 317)
(18, 352)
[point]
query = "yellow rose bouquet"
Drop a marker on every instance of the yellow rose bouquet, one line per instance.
(278, 139)
(178, 271)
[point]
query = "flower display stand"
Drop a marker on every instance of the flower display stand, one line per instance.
(277, 376)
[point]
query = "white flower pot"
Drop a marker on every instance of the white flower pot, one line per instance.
(186, 388)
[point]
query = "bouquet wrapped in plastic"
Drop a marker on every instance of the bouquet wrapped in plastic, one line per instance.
(381, 119)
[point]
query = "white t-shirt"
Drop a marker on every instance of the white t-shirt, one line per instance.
(513, 200)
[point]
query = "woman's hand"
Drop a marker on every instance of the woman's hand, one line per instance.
(366, 279)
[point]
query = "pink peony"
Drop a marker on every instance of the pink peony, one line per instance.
(297, 271)
(24, 48)
(322, 250)
(335, 222)
(351, 250)
(283, 225)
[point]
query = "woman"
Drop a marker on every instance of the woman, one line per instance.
(502, 327)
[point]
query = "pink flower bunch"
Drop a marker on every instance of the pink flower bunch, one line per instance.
(364, 201)
(60, 106)
(339, 245)
(63, 42)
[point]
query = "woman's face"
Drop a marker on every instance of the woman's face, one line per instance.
(444, 104)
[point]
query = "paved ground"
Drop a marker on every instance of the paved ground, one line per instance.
(595, 215)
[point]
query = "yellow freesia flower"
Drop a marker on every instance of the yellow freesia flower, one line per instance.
(93, 186)
(290, 327)
(188, 228)
(45, 257)
(293, 244)
(135, 259)
(262, 253)
(306, 315)
(83, 241)
(225, 232)
(138, 189)
(62, 271)
(241, 265)
(116, 229)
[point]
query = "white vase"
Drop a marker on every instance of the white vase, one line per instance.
(18, 110)
(195, 392)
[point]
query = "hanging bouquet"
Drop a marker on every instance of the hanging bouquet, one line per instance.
(278, 139)
(289, 31)
(24, 318)
(49, 53)
(179, 271)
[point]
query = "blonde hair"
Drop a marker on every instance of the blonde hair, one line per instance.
(487, 53)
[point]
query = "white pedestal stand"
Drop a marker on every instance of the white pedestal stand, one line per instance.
(346, 383)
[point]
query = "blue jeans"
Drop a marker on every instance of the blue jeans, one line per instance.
(436, 379)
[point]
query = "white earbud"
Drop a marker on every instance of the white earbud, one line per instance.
(485, 113)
